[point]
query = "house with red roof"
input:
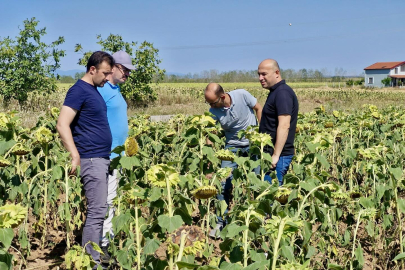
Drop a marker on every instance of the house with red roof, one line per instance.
(381, 70)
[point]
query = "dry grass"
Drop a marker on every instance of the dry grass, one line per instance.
(188, 98)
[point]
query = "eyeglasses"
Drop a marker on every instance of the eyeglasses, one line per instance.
(123, 69)
(213, 103)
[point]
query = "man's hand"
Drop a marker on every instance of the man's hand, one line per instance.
(274, 161)
(75, 163)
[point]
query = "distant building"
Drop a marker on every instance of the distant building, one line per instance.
(381, 70)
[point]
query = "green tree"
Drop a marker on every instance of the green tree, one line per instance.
(79, 75)
(28, 64)
(66, 79)
(386, 81)
(146, 60)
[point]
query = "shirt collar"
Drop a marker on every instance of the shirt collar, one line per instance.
(274, 87)
(113, 86)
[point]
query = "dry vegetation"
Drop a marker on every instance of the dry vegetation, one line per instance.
(187, 98)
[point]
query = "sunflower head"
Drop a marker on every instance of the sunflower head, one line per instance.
(204, 192)
(225, 154)
(4, 162)
(131, 147)
(12, 215)
(21, 150)
(158, 174)
(44, 135)
(55, 112)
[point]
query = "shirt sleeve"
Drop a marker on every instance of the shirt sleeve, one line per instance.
(74, 98)
(249, 99)
(214, 116)
(284, 103)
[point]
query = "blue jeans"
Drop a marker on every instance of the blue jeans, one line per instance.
(281, 169)
(227, 184)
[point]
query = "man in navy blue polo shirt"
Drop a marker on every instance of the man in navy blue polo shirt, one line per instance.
(279, 117)
(85, 133)
(118, 121)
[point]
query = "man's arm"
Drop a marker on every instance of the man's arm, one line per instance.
(258, 109)
(282, 134)
(66, 117)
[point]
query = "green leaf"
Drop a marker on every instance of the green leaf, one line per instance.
(311, 252)
(257, 265)
(96, 247)
(332, 266)
(57, 173)
(151, 246)
(6, 236)
(123, 259)
(399, 257)
(359, 255)
(186, 265)
(396, 172)
(234, 230)
(5, 146)
(308, 186)
(288, 252)
(129, 162)
(366, 202)
(324, 162)
(230, 266)
(401, 205)
(170, 223)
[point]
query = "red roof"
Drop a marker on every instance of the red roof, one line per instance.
(385, 65)
(398, 76)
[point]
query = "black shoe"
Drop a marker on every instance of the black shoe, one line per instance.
(105, 258)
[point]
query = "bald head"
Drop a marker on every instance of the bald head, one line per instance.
(270, 64)
(214, 95)
(215, 89)
(269, 73)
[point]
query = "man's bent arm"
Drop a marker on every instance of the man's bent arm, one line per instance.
(282, 134)
(66, 117)
(258, 109)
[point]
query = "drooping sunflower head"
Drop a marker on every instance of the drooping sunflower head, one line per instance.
(131, 147)
(203, 121)
(158, 174)
(225, 154)
(4, 162)
(204, 192)
(43, 135)
(21, 150)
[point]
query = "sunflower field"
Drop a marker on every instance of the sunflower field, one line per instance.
(341, 206)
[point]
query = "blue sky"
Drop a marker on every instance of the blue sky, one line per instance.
(193, 36)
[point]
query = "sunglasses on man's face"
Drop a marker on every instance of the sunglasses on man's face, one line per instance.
(213, 103)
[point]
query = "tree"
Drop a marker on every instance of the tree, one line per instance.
(145, 58)
(79, 75)
(28, 64)
(66, 79)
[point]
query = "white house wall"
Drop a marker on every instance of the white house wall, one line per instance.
(377, 75)
(392, 72)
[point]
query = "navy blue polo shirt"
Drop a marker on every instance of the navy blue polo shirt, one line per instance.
(90, 129)
(280, 101)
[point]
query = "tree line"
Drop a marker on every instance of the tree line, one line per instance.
(291, 75)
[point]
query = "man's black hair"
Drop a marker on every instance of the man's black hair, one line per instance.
(99, 57)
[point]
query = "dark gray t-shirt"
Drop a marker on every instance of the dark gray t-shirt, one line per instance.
(237, 117)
